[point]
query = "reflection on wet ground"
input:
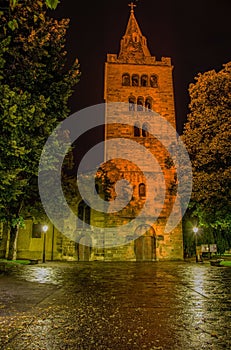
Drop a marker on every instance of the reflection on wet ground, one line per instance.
(114, 306)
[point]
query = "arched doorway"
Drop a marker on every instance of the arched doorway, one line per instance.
(145, 244)
(84, 248)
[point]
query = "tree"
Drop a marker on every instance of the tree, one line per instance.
(35, 87)
(52, 4)
(207, 135)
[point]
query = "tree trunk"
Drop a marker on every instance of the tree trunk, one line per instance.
(12, 255)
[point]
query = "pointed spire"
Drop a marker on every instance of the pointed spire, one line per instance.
(132, 26)
(133, 43)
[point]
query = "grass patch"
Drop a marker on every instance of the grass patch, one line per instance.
(225, 263)
(13, 262)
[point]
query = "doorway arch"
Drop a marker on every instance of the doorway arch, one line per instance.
(145, 244)
(84, 248)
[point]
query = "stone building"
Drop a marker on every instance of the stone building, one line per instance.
(134, 77)
(142, 86)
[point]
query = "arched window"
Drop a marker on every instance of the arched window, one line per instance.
(142, 190)
(87, 217)
(81, 211)
(135, 80)
(84, 214)
(140, 104)
(154, 80)
(135, 37)
(145, 129)
(126, 79)
(137, 130)
(144, 80)
(132, 101)
(148, 104)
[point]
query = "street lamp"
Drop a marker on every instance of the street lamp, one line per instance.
(195, 230)
(44, 228)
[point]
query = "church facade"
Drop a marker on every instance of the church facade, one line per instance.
(143, 86)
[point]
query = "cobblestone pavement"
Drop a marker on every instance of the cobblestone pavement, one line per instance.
(116, 306)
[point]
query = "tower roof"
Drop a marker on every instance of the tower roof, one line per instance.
(133, 43)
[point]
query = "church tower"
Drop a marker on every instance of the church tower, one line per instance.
(144, 86)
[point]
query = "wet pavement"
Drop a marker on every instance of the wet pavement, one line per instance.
(116, 306)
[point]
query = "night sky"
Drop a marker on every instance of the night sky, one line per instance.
(195, 34)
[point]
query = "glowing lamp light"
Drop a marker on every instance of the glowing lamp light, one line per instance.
(195, 229)
(45, 228)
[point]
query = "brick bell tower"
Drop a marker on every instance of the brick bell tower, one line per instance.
(145, 87)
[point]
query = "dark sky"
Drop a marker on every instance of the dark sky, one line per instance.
(195, 34)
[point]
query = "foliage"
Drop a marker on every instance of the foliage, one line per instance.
(207, 137)
(52, 4)
(35, 87)
(223, 240)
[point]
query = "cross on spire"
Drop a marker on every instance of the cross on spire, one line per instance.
(132, 5)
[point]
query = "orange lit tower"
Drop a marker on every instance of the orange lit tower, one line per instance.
(144, 84)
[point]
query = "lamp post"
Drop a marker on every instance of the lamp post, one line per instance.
(44, 228)
(195, 230)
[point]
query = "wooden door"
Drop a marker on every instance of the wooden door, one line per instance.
(84, 250)
(145, 248)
